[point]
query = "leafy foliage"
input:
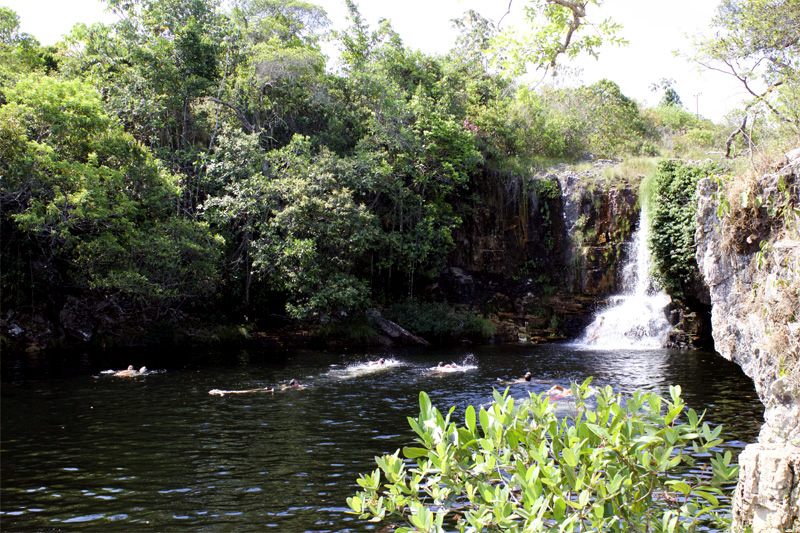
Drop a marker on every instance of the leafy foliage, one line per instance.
(672, 214)
(438, 322)
(557, 27)
(91, 206)
(670, 97)
(19, 52)
(512, 466)
(758, 42)
(200, 146)
(299, 229)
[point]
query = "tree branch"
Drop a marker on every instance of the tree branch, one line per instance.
(508, 12)
(578, 12)
(733, 135)
(239, 113)
(732, 71)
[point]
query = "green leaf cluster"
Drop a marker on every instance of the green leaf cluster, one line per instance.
(672, 224)
(555, 28)
(92, 208)
(298, 228)
(627, 464)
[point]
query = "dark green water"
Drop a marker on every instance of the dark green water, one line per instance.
(84, 451)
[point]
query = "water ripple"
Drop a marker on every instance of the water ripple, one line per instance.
(161, 453)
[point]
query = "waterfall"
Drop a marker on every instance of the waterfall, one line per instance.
(634, 319)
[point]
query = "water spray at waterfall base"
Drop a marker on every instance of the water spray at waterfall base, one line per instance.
(634, 319)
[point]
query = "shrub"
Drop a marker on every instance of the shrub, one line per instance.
(623, 466)
(438, 322)
(353, 329)
(672, 219)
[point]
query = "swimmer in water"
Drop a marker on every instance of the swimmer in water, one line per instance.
(557, 392)
(442, 366)
(379, 362)
(219, 392)
(293, 385)
(524, 379)
(127, 373)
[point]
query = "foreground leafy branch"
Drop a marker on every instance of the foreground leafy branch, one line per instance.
(629, 464)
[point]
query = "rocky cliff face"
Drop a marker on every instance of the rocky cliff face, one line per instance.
(755, 323)
(538, 254)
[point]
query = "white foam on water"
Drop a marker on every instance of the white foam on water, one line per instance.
(361, 369)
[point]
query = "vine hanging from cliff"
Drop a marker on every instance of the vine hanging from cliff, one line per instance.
(673, 226)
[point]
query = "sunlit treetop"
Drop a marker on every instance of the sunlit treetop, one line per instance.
(758, 43)
(555, 28)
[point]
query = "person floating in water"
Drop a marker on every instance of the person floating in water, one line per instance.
(443, 366)
(557, 392)
(127, 373)
(292, 385)
(524, 379)
(219, 392)
(379, 362)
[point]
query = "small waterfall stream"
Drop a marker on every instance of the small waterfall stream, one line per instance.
(634, 319)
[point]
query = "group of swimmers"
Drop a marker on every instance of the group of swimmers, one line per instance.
(556, 392)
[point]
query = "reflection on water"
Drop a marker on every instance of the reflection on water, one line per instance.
(85, 451)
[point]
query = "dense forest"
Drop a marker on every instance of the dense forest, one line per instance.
(197, 163)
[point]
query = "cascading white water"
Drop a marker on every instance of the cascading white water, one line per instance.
(635, 319)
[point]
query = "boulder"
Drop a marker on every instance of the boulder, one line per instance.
(768, 493)
(392, 330)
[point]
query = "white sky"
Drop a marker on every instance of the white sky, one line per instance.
(653, 28)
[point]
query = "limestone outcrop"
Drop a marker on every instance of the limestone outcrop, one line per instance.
(750, 261)
(768, 494)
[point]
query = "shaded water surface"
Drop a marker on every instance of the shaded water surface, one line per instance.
(85, 451)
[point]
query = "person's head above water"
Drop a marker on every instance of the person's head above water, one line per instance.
(527, 376)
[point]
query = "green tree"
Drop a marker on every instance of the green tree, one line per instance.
(671, 97)
(758, 43)
(20, 53)
(273, 64)
(89, 208)
(153, 67)
(560, 27)
(599, 119)
(298, 229)
(412, 154)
